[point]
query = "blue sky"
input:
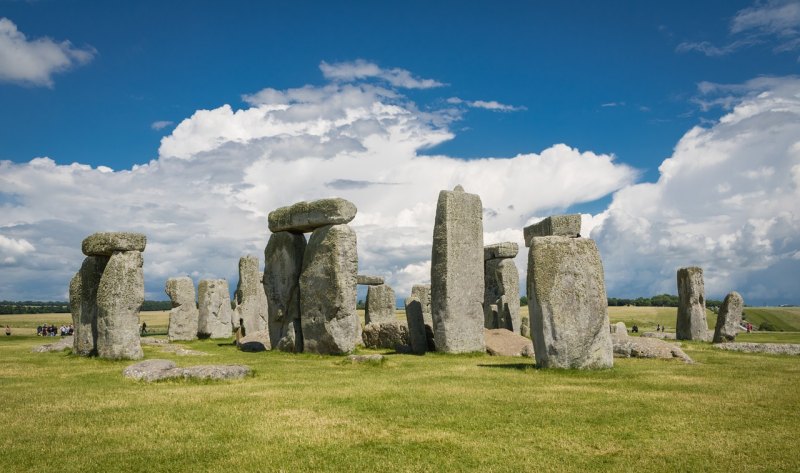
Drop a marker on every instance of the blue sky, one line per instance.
(622, 79)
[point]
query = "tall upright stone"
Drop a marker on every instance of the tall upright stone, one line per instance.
(417, 334)
(250, 298)
(328, 291)
(83, 304)
(501, 279)
(422, 292)
(567, 304)
(120, 295)
(691, 323)
(457, 273)
(283, 263)
(380, 305)
(729, 318)
(215, 309)
(184, 315)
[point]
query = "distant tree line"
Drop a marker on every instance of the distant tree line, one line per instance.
(61, 307)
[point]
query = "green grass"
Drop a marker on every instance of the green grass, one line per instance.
(728, 412)
(786, 319)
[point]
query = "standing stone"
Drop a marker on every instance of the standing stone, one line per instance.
(215, 309)
(457, 273)
(525, 327)
(556, 225)
(691, 323)
(423, 293)
(328, 291)
(729, 318)
(251, 300)
(183, 316)
(283, 263)
(380, 306)
(308, 216)
(567, 304)
(416, 326)
(120, 295)
(83, 304)
(502, 281)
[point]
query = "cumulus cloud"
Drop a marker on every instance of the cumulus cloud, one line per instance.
(34, 61)
(726, 200)
(204, 201)
(492, 105)
(360, 69)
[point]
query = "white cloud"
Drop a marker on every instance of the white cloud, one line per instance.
(613, 104)
(358, 70)
(161, 124)
(35, 61)
(726, 200)
(491, 105)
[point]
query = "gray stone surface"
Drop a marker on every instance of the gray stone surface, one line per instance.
(83, 304)
(184, 315)
(769, 348)
(380, 305)
(307, 216)
(506, 249)
(417, 335)
(457, 273)
(120, 295)
(423, 293)
(151, 370)
(62, 344)
(107, 243)
(250, 298)
(556, 225)
(374, 358)
(283, 263)
(619, 328)
(255, 341)
(525, 327)
(328, 291)
(502, 342)
(660, 335)
(729, 318)
(691, 323)
(157, 370)
(567, 304)
(642, 347)
(385, 335)
(215, 309)
(367, 280)
(501, 279)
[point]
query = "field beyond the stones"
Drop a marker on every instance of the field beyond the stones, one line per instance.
(727, 412)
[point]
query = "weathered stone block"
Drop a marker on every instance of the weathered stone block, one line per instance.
(106, 243)
(307, 216)
(215, 308)
(417, 336)
(457, 273)
(184, 315)
(506, 249)
(691, 323)
(385, 335)
(328, 291)
(120, 295)
(250, 298)
(83, 304)
(567, 304)
(283, 263)
(556, 225)
(380, 305)
(366, 280)
(423, 293)
(501, 279)
(729, 318)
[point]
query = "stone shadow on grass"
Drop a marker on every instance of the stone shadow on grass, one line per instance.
(511, 366)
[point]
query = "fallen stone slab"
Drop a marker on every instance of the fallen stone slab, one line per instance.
(157, 370)
(769, 348)
(506, 249)
(367, 280)
(304, 217)
(661, 335)
(385, 335)
(61, 345)
(641, 347)
(153, 341)
(181, 350)
(556, 225)
(107, 243)
(503, 342)
(365, 358)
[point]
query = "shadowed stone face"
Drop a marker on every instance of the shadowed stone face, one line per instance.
(380, 304)
(422, 292)
(328, 291)
(307, 216)
(215, 308)
(120, 295)
(457, 273)
(251, 300)
(83, 304)
(691, 323)
(729, 318)
(183, 317)
(416, 326)
(567, 304)
(283, 263)
(501, 289)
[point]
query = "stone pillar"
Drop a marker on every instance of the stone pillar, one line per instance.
(328, 291)
(251, 300)
(501, 286)
(83, 304)
(729, 318)
(215, 309)
(691, 323)
(423, 293)
(380, 306)
(567, 304)
(417, 334)
(183, 316)
(457, 273)
(283, 263)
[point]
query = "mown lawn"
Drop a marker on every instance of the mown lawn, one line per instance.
(728, 412)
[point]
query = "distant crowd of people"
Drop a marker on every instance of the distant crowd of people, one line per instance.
(52, 331)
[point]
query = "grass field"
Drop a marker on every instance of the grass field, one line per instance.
(728, 412)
